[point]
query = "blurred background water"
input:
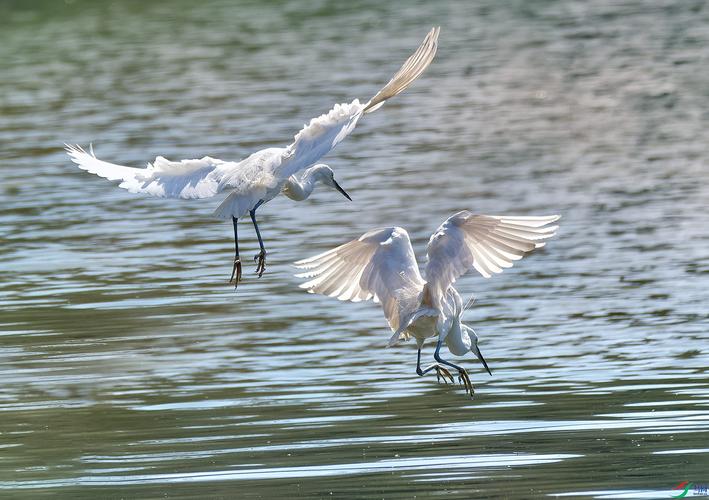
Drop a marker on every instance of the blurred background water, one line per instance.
(131, 369)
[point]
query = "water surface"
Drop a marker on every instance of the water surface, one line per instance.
(130, 368)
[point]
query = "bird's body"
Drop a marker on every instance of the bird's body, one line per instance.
(381, 265)
(261, 176)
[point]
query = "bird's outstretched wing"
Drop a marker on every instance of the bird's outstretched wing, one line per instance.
(410, 71)
(380, 265)
(207, 176)
(318, 138)
(486, 243)
(162, 178)
(323, 133)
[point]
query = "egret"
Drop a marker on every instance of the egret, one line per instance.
(381, 265)
(263, 175)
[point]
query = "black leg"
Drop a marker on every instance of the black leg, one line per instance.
(236, 270)
(440, 370)
(463, 377)
(261, 256)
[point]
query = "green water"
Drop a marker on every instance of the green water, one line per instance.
(130, 369)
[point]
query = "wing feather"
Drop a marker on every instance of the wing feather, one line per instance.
(207, 176)
(319, 137)
(162, 178)
(326, 131)
(410, 71)
(380, 265)
(487, 243)
(252, 177)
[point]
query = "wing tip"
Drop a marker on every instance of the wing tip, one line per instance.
(73, 149)
(410, 71)
(306, 286)
(76, 152)
(310, 262)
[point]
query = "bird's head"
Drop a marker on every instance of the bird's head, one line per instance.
(474, 346)
(325, 175)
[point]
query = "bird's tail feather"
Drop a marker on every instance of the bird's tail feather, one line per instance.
(236, 205)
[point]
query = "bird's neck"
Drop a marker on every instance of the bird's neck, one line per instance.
(299, 190)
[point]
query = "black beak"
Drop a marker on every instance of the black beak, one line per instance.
(339, 188)
(484, 362)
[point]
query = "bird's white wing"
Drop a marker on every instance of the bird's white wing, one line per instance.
(380, 265)
(486, 243)
(318, 138)
(207, 176)
(163, 178)
(409, 71)
(323, 133)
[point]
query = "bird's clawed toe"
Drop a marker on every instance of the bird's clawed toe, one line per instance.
(443, 372)
(236, 273)
(261, 259)
(464, 380)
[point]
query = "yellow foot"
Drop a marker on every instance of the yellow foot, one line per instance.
(442, 372)
(261, 259)
(464, 380)
(235, 273)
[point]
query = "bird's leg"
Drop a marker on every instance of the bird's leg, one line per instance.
(236, 270)
(261, 256)
(440, 370)
(463, 377)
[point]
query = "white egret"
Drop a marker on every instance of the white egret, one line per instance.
(381, 265)
(266, 173)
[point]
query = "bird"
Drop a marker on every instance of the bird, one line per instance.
(381, 265)
(264, 174)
